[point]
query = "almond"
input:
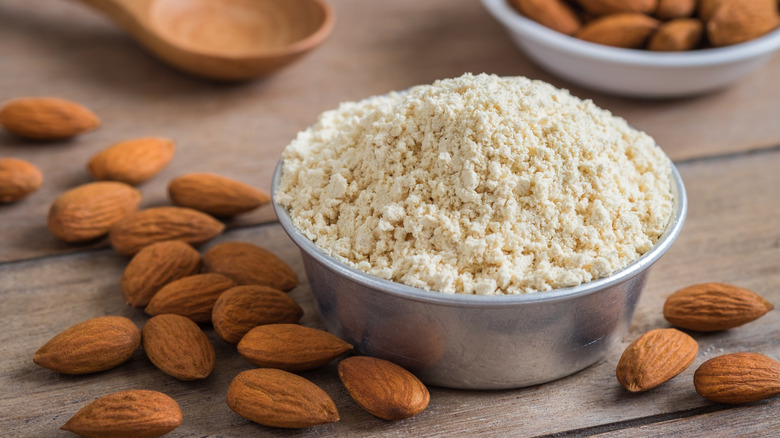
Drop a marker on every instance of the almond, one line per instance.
(707, 9)
(603, 7)
(277, 398)
(654, 358)
(135, 413)
(132, 161)
(46, 118)
(155, 266)
(178, 347)
(709, 307)
(383, 388)
(677, 35)
(215, 194)
(89, 211)
(626, 30)
(243, 308)
(158, 224)
(555, 14)
(192, 296)
(249, 264)
(738, 378)
(670, 9)
(18, 179)
(94, 345)
(737, 21)
(290, 347)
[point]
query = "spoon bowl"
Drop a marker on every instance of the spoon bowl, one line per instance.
(228, 40)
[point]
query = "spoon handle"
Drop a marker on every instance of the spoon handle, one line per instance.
(132, 15)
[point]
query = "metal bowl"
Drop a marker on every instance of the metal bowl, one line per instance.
(475, 341)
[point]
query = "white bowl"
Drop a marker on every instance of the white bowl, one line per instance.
(629, 72)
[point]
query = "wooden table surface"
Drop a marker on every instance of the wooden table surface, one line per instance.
(726, 146)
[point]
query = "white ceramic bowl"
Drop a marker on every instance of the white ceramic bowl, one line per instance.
(630, 72)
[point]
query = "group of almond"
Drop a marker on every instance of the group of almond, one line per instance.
(658, 25)
(238, 287)
(661, 354)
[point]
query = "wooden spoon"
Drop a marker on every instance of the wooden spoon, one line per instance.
(223, 39)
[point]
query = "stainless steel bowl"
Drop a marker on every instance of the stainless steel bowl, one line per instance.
(474, 341)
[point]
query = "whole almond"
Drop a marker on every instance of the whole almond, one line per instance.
(738, 378)
(277, 398)
(654, 358)
(94, 345)
(132, 161)
(677, 35)
(249, 264)
(192, 296)
(709, 307)
(215, 194)
(555, 14)
(737, 21)
(46, 118)
(89, 211)
(178, 347)
(603, 7)
(145, 227)
(134, 413)
(627, 30)
(155, 266)
(670, 9)
(18, 179)
(383, 388)
(243, 308)
(290, 347)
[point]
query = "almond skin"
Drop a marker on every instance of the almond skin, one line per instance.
(132, 161)
(155, 266)
(46, 118)
(738, 378)
(277, 398)
(249, 264)
(18, 179)
(192, 296)
(215, 194)
(555, 14)
(677, 35)
(142, 228)
(737, 21)
(94, 345)
(626, 30)
(671, 9)
(290, 347)
(707, 8)
(383, 388)
(603, 7)
(178, 347)
(654, 358)
(710, 307)
(135, 413)
(243, 308)
(89, 211)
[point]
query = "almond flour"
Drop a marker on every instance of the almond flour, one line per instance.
(478, 185)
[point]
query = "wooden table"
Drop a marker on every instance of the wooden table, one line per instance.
(726, 145)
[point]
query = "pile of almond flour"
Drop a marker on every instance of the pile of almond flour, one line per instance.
(478, 184)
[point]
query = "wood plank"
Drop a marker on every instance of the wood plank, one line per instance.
(732, 235)
(64, 49)
(730, 421)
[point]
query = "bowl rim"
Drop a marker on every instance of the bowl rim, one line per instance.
(516, 22)
(673, 228)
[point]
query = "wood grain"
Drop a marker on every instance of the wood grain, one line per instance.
(64, 49)
(732, 235)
